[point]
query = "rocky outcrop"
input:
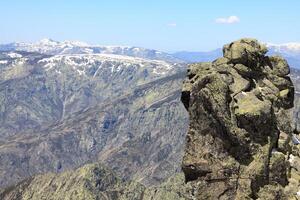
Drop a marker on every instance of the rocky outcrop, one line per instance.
(239, 140)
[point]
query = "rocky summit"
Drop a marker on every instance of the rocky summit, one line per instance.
(239, 142)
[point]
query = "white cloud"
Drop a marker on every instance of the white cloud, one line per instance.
(172, 24)
(227, 20)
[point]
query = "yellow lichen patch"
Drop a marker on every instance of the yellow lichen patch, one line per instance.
(248, 103)
(284, 93)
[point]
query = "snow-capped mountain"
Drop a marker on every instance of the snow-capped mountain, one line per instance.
(51, 47)
(290, 51)
(292, 48)
(85, 64)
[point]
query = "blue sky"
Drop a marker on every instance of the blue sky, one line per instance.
(169, 25)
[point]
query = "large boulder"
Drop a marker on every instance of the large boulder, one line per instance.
(245, 51)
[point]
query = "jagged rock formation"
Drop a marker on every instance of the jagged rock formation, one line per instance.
(239, 140)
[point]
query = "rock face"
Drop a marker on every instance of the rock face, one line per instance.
(239, 139)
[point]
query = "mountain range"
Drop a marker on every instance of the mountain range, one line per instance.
(291, 51)
(91, 122)
(65, 104)
(51, 47)
(62, 107)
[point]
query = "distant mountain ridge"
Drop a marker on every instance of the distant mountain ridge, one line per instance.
(193, 57)
(287, 48)
(51, 47)
(290, 51)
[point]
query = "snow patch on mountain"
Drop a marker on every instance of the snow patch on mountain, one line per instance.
(82, 62)
(14, 55)
(51, 47)
(292, 47)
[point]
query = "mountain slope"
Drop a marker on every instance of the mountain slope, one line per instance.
(59, 112)
(95, 181)
(92, 181)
